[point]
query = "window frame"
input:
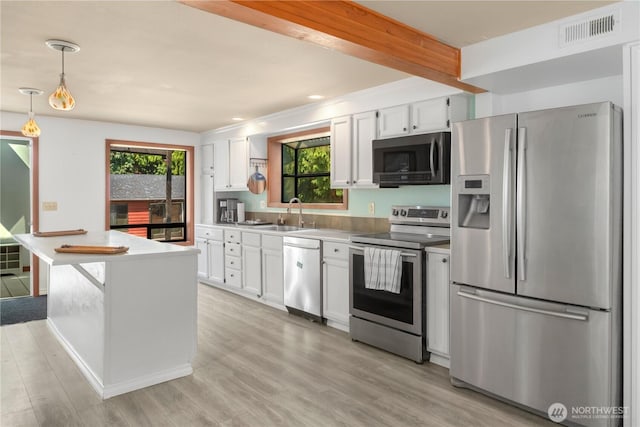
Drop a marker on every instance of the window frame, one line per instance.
(189, 179)
(274, 169)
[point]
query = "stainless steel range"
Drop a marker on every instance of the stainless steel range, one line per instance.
(390, 320)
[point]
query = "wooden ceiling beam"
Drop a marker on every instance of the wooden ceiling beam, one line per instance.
(350, 28)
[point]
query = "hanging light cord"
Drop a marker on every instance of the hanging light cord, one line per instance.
(31, 102)
(62, 60)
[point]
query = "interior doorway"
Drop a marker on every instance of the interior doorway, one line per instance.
(19, 271)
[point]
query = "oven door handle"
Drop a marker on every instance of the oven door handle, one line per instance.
(407, 254)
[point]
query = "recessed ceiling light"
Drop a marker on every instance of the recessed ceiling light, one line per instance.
(237, 119)
(315, 96)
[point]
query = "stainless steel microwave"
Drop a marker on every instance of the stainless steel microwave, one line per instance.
(412, 160)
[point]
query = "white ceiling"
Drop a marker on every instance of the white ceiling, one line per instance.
(164, 64)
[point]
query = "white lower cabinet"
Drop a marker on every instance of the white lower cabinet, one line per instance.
(203, 258)
(251, 264)
(211, 258)
(335, 284)
(232, 259)
(272, 270)
(438, 306)
(216, 260)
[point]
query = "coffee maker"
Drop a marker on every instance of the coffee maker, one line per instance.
(227, 211)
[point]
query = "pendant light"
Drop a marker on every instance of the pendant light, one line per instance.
(30, 128)
(61, 98)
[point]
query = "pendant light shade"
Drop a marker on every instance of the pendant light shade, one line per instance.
(30, 128)
(61, 98)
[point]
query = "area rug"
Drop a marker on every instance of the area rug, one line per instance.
(23, 309)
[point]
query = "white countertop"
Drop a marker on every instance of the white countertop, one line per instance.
(44, 247)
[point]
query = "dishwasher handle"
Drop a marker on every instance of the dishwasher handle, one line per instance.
(291, 245)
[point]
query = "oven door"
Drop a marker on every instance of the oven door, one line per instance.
(401, 311)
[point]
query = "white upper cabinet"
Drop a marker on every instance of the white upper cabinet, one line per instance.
(207, 176)
(364, 131)
(351, 156)
(341, 152)
(432, 115)
(206, 159)
(238, 163)
(231, 162)
(393, 121)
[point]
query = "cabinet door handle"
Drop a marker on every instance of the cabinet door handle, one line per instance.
(404, 129)
(444, 260)
(415, 127)
(336, 250)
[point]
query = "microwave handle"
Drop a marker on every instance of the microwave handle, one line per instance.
(432, 160)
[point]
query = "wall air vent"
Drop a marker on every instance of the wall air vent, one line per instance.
(589, 29)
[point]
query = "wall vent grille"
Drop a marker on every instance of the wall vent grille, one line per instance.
(589, 29)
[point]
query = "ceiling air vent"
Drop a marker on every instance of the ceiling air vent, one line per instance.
(589, 29)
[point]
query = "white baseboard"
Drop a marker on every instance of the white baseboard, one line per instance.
(439, 360)
(111, 390)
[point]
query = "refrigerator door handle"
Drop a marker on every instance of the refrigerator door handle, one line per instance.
(573, 316)
(506, 205)
(521, 215)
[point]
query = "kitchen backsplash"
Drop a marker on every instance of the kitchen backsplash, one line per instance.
(360, 199)
(336, 222)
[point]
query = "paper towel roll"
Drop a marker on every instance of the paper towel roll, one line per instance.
(240, 212)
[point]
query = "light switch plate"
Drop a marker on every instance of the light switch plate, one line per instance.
(372, 208)
(263, 204)
(49, 206)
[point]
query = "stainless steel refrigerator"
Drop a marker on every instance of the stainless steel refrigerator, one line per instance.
(536, 259)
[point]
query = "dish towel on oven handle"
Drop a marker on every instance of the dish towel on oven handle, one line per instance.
(382, 269)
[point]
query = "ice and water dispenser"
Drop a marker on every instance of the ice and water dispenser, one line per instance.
(474, 203)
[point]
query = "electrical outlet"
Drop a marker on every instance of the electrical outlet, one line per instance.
(372, 208)
(263, 204)
(49, 206)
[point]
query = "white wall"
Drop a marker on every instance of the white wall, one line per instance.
(604, 89)
(400, 92)
(72, 165)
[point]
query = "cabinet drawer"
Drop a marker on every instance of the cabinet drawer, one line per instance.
(232, 236)
(209, 233)
(233, 262)
(335, 250)
(232, 249)
(233, 278)
(251, 239)
(272, 242)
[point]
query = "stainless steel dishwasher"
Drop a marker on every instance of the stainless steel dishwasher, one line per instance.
(302, 276)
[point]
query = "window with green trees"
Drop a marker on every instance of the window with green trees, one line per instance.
(306, 166)
(148, 192)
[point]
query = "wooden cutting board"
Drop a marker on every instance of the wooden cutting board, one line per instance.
(103, 250)
(59, 233)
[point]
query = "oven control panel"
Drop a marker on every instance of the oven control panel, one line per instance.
(419, 215)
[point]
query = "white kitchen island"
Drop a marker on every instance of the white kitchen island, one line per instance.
(128, 320)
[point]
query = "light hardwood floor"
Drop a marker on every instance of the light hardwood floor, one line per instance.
(255, 366)
(12, 285)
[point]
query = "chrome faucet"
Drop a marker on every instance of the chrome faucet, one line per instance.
(300, 220)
